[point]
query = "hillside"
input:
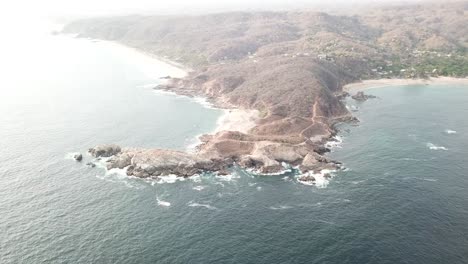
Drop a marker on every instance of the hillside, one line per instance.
(291, 66)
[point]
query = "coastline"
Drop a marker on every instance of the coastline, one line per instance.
(217, 151)
(378, 83)
(232, 119)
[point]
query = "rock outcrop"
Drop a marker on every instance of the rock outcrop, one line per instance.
(78, 157)
(289, 66)
(361, 96)
(105, 150)
(146, 163)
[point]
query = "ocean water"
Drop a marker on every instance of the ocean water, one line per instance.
(402, 198)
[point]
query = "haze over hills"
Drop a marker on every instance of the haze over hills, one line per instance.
(291, 67)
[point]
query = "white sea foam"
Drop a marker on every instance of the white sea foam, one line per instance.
(286, 179)
(121, 173)
(287, 169)
(169, 179)
(119, 176)
(335, 143)
(193, 143)
(429, 179)
(207, 206)
(227, 178)
(352, 108)
(199, 187)
(219, 183)
(71, 155)
(409, 159)
(435, 147)
(320, 180)
(448, 131)
(163, 203)
(195, 178)
(259, 188)
(281, 207)
(204, 102)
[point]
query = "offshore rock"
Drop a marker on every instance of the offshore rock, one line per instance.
(78, 157)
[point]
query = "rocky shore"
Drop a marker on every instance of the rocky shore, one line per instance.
(287, 67)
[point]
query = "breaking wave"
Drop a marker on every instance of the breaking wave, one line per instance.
(199, 188)
(448, 131)
(207, 206)
(163, 203)
(281, 207)
(336, 142)
(321, 178)
(435, 147)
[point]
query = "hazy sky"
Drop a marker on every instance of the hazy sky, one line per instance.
(102, 7)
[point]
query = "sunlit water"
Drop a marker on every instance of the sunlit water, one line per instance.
(403, 198)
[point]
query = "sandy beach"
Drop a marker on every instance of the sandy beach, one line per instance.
(237, 120)
(233, 119)
(370, 84)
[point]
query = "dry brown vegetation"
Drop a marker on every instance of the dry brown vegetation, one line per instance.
(291, 65)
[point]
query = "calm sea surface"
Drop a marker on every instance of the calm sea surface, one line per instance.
(403, 198)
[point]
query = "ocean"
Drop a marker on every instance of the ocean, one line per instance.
(401, 199)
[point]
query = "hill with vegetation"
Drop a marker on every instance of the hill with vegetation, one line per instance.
(291, 67)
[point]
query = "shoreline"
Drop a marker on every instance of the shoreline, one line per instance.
(232, 118)
(379, 83)
(216, 152)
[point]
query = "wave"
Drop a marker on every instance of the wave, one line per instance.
(286, 179)
(352, 108)
(321, 179)
(227, 178)
(207, 206)
(71, 155)
(287, 169)
(204, 102)
(435, 147)
(421, 179)
(163, 203)
(281, 207)
(199, 188)
(119, 176)
(450, 132)
(409, 159)
(169, 179)
(336, 142)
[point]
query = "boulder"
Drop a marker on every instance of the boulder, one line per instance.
(78, 157)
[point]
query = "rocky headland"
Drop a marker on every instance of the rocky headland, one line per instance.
(290, 67)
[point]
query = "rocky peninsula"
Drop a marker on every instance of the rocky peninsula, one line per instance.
(289, 67)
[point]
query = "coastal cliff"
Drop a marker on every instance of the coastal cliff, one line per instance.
(289, 66)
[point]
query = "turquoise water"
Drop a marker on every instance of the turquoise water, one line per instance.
(399, 201)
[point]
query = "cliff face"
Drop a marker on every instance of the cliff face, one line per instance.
(289, 66)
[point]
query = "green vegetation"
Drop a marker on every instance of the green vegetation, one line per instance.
(423, 64)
